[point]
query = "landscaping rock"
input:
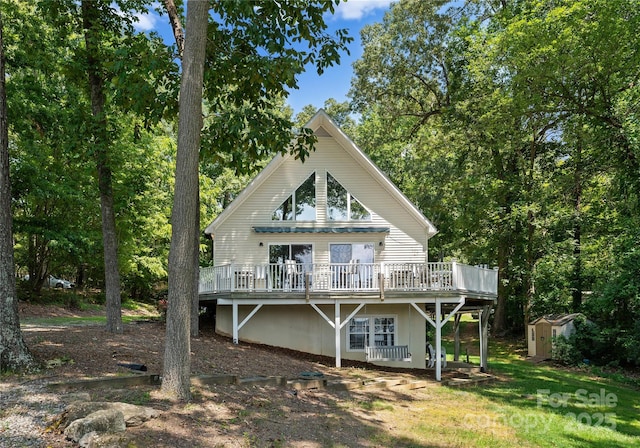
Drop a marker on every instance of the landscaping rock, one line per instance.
(95, 440)
(103, 421)
(133, 415)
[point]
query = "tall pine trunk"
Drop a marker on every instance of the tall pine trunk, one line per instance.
(14, 354)
(183, 254)
(576, 287)
(505, 170)
(178, 33)
(500, 315)
(91, 24)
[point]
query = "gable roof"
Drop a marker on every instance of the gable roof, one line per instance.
(323, 126)
(557, 320)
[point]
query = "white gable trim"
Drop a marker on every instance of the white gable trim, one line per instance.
(244, 194)
(321, 119)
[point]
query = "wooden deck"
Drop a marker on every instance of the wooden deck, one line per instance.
(359, 281)
(436, 291)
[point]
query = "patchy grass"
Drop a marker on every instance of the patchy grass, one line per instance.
(139, 307)
(551, 406)
(375, 405)
(67, 321)
(85, 313)
(531, 405)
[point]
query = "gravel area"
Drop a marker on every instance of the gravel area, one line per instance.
(25, 410)
(218, 415)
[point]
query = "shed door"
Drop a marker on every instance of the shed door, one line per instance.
(543, 339)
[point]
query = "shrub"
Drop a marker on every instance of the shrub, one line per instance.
(564, 352)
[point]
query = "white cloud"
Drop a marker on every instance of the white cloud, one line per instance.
(145, 22)
(357, 9)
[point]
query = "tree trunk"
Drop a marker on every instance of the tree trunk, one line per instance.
(14, 354)
(38, 262)
(183, 254)
(576, 288)
(195, 300)
(178, 34)
(500, 314)
(505, 170)
(90, 17)
(529, 285)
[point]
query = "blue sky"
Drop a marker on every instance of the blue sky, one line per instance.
(335, 81)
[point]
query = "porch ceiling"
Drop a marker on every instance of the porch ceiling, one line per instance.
(472, 301)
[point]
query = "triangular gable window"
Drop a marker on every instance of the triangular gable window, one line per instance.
(341, 205)
(301, 205)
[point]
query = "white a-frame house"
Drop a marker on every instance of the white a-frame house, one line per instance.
(329, 257)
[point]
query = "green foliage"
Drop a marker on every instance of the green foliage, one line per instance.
(253, 57)
(566, 353)
(615, 309)
(55, 207)
(552, 277)
(513, 126)
(598, 343)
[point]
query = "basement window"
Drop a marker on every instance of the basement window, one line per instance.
(363, 330)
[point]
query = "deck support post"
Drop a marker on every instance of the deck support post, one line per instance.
(234, 312)
(337, 328)
(438, 340)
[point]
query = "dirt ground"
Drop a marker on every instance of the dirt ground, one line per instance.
(218, 415)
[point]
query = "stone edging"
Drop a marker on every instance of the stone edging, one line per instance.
(204, 380)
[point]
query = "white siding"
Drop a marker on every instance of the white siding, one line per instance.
(300, 327)
(235, 241)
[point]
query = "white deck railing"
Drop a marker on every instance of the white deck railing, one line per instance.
(294, 277)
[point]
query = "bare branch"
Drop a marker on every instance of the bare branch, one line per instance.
(176, 25)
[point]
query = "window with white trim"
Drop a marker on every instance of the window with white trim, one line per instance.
(301, 205)
(379, 331)
(342, 205)
(301, 253)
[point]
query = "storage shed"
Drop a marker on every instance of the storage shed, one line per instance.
(542, 331)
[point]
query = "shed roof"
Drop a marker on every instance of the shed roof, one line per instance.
(557, 320)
